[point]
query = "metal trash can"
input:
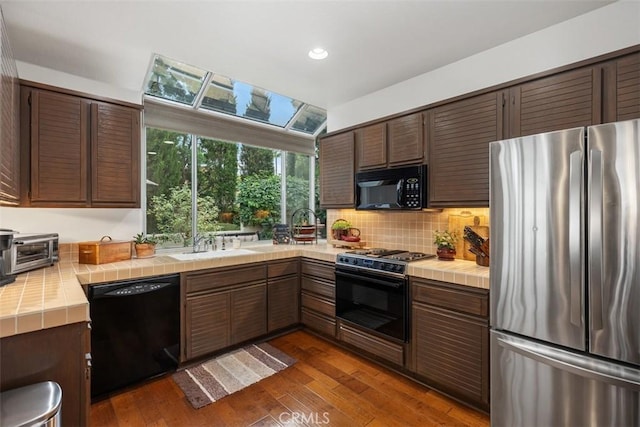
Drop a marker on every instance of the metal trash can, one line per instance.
(33, 405)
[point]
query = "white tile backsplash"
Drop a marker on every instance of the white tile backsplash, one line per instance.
(408, 230)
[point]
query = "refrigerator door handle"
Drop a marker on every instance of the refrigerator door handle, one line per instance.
(578, 364)
(595, 237)
(575, 236)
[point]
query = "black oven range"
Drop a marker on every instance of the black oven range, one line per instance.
(372, 290)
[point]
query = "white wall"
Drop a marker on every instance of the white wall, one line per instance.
(603, 30)
(74, 225)
(35, 73)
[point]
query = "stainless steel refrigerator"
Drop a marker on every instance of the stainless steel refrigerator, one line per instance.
(565, 278)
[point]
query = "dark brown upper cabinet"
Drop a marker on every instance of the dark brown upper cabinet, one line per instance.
(405, 141)
(78, 152)
(371, 146)
(459, 134)
(562, 101)
(622, 89)
(396, 142)
(115, 155)
(59, 149)
(337, 161)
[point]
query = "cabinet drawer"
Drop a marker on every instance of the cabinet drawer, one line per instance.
(319, 269)
(282, 268)
(196, 282)
(318, 304)
(452, 297)
(318, 322)
(387, 350)
(318, 287)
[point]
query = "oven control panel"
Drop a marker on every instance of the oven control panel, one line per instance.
(373, 264)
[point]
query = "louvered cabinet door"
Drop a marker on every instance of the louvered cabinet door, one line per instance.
(283, 302)
(451, 352)
(405, 140)
(371, 146)
(115, 156)
(207, 321)
(248, 312)
(337, 171)
(459, 135)
(628, 87)
(59, 149)
(562, 101)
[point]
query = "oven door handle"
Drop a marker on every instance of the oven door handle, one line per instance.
(371, 279)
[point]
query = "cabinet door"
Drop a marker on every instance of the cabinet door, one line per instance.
(621, 94)
(459, 137)
(53, 354)
(248, 313)
(562, 101)
(59, 149)
(337, 171)
(406, 140)
(452, 352)
(115, 155)
(371, 143)
(283, 302)
(628, 87)
(207, 324)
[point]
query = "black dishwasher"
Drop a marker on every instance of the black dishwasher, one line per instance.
(135, 331)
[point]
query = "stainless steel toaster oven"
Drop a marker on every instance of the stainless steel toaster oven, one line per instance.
(30, 251)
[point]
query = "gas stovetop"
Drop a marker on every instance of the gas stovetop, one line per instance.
(380, 260)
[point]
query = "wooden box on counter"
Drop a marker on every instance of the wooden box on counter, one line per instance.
(104, 251)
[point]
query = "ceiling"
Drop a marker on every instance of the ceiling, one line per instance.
(372, 44)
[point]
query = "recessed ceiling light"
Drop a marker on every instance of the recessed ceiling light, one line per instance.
(318, 53)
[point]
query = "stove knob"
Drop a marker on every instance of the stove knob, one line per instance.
(354, 261)
(398, 268)
(387, 266)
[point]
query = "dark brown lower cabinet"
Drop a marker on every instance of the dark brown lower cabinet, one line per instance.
(248, 313)
(283, 294)
(450, 339)
(318, 296)
(222, 307)
(55, 354)
(208, 319)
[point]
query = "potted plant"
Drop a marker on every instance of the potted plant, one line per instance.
(446, 244)
(339, 228)
(145, 245)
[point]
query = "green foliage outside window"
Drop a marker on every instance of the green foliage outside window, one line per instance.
(259, 200)
(172, 213)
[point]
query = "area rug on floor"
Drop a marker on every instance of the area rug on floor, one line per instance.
(216, 378)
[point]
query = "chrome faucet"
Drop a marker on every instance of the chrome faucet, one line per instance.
(196, 243)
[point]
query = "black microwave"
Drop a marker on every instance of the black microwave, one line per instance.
(392, 189)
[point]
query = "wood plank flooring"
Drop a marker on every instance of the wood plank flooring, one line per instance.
(327, 386)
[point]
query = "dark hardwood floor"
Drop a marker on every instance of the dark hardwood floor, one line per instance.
(327, 386)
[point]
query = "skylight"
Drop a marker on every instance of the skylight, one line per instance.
(171, 80)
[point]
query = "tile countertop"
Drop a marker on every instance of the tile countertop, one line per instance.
(54, 296)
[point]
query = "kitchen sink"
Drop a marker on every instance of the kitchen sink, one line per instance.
(190, 256)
